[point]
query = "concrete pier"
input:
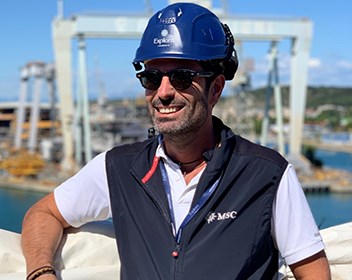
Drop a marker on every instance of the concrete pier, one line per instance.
(316, 187)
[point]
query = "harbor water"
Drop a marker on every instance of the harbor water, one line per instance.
(329, 209)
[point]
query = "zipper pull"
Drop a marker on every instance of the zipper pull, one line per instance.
(174, 253)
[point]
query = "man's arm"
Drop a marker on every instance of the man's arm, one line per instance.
(42, 230)
(314, 267)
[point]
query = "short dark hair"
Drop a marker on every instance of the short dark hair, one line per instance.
(212, 66)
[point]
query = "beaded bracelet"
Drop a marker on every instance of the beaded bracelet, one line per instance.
(41, 271)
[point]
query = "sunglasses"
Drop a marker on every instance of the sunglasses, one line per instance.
(180, 79)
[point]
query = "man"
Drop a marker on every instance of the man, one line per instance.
(196, 201)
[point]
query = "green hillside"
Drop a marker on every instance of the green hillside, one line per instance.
(316, 96)
(329, 95)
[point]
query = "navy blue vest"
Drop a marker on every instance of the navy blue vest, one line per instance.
(229, 238)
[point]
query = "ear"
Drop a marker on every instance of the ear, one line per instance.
(216, 89)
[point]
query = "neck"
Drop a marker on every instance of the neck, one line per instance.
(192, 168)
(190, 162)
(189, 153)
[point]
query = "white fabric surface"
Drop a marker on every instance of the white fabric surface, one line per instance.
(89, 253)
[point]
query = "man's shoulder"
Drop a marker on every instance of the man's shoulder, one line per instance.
(246, 147)
(132, 148)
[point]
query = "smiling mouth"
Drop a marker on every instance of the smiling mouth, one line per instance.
(169, 110)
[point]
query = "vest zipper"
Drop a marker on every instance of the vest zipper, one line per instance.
(175, 255)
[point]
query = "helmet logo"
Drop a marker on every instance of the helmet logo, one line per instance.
(163, 41)
(164, 32)
(169, 20)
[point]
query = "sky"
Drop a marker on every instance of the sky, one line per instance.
(25, 29)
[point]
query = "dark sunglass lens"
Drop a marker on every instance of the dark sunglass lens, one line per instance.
(181, 79)
(151, 80)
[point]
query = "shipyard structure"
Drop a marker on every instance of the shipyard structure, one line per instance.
(49, 141)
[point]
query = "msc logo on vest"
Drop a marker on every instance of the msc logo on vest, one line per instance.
(221, 216)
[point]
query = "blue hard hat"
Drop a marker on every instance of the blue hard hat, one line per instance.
(188, 31)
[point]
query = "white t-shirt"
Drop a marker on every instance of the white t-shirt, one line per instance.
(85, 197)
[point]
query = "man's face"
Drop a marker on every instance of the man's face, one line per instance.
(173, 111)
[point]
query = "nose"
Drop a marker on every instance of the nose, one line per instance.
(165, 90)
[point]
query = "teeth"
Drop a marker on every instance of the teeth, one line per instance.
(167, 110)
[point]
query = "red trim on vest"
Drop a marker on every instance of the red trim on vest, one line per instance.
(152, 170)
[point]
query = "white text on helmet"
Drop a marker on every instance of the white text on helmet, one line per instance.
(168, 20)
(163, 41)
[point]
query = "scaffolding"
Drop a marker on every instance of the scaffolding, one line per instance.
(34, 73)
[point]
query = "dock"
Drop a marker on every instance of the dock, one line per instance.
(326, 180)
(28, 185)
(325, 187)
(321, 187)
(316, 187)
(346, 148)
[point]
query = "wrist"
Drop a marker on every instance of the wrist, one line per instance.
(41, 272)
(47, 277)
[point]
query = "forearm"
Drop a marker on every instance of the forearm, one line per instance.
(315, 267)
(42, 231)
(41, 236)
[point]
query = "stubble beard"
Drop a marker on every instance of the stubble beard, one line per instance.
(183, 128)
